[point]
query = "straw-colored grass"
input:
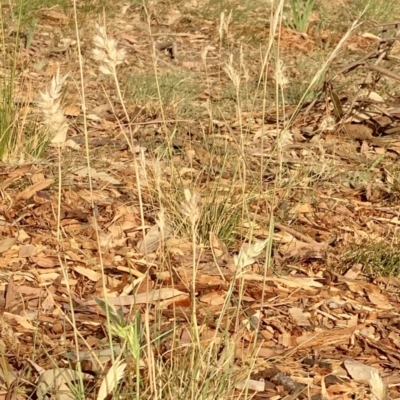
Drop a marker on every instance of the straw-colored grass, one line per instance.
(181, 358)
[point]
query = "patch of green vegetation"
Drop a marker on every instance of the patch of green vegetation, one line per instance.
(303, 71)
(225, 96)
(358, 179)
(175, 91)
(21, 137)
(242, 11)
(339, 18)
(98, 7)
(8, 117)
(378, 259)
(221, 218)
(377, 10)
(301, 12)
(224, 105)
(27, 11)
(217, 215)
(212, 9)
(36, 140)
(134, 2)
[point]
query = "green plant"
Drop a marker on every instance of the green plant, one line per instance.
(8, 113)
(378, 10)
(29, 10)
(301, 11)
(377, 259)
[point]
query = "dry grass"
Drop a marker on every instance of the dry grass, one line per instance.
(192, 196)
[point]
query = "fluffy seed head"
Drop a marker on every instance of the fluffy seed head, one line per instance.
(190, 207)
(106, 51)
(49, 105)
(280, 76)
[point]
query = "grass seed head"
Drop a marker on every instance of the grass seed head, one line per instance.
(232, 73)
(50, 108)
(248, 252)
(106, 51)
(190, 207)
(378, 388)
(280, 76)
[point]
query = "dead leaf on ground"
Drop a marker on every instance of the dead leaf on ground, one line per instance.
(358, 371)
(142, 298)
(6, 244)
(153, 238)
(214, 298)
(31, 190)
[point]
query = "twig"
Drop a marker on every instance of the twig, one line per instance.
(282, 227)
(382, 70)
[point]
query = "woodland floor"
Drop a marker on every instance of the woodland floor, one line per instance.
(325, 301)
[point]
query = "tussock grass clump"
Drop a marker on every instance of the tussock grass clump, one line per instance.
(377, 259)
(301, 12)
(194, 369)
(217, 214)
(27, 132)
(8, 120)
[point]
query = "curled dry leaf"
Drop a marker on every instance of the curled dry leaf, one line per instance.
(214, 298)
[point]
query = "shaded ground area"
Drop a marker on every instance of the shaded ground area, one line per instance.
(313, 311)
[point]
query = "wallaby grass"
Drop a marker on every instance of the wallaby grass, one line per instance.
(219, 213)
(181, 356)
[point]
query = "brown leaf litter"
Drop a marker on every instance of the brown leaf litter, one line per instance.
(304, 320)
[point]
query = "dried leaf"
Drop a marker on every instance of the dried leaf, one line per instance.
(354, 271)
(31, 190)
(214, 298)
(89, 273)
(380, 300)
(358, 371)
(298, 315)
(251, 384)
(27, 250)
(110, 381)
(218, 247)
(6, 244)
(58, 381)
